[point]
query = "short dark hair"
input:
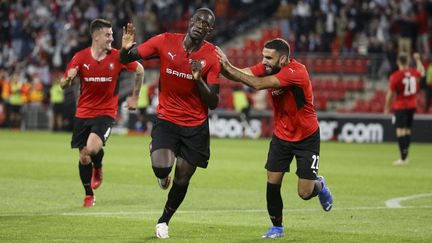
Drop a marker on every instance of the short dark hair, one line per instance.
(279, 45)
(209, 11)
(98, 24)
(403, 58)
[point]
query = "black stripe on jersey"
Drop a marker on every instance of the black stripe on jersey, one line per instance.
(299, 96)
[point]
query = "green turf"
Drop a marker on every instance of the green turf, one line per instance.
(41, 195)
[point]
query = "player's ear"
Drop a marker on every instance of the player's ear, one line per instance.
(210, 29)
(284, 59)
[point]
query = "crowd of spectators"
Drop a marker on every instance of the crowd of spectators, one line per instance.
(39, 37)
(359, 27)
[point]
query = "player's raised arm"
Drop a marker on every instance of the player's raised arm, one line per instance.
(419, 65)
(129, 52)
(132, 100)
(245, 76)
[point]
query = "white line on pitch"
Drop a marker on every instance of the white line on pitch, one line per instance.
(152, 212)
(395, 202)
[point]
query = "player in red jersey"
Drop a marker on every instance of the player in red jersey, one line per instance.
(296, 132)
(98, 68)
(404, 84)
(188, 87)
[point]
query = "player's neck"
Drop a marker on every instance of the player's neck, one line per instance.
(98, 53)
(190, 45)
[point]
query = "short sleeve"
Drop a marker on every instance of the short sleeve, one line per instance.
(292, 75)
(131, 67)
(258, 70)
(213, 73)
(151, 46)
(73, 63)
(392, 83)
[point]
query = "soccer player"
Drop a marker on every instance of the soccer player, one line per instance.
(98, 68)
(188, 87)
(296, 132)
(404, 84)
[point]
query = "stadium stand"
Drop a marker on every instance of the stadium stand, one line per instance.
(349, 47)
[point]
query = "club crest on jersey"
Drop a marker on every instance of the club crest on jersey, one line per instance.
(111, 66)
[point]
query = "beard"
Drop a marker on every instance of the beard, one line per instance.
(269, 70)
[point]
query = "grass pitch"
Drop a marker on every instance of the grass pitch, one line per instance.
(41, 195)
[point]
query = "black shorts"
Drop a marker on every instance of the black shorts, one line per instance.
(100, 125)
(58, 108)
(282, 152)
(189, 143)
(403, 118)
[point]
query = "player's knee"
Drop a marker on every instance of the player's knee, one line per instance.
(84, 159)
(305, 194)
(93, 150)
(162, 173)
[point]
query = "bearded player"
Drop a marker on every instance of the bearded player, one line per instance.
(296, 130)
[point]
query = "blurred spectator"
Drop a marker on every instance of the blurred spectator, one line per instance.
(57, 104)
(407, 33)
(241, 102)
(428, 86)
(422, 19)
(259, 100)
(143, 123)
(284, 15)
(17, 98)
(4, 98)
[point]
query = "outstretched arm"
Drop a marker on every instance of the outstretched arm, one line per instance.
(132, 100)
(209, 93)
(245, 76)
(419, 65)
(129, 52)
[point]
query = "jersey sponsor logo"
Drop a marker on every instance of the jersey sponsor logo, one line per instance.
(98, 79)
(171, 55)
(352, 132)
(292, 70)
(178, 74)
(87, 66)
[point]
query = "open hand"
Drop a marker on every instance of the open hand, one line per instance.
(196, 69)
(222, 57)
(131, 103)
(128, 38)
